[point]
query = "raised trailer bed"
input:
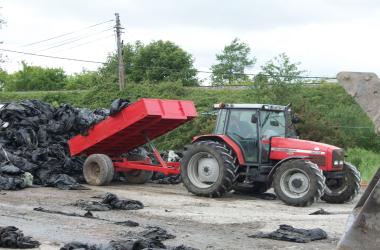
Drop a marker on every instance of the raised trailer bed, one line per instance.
(134, 126)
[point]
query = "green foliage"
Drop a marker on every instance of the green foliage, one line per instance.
(367, 161)
(35, 78)
(328, 113)
(232, 62)
(3, 78)
(158, 61)
(280, 70)
(83, 80)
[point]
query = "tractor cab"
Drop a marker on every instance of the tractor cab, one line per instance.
(251, 127)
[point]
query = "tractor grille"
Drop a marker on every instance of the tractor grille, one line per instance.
(320, 160)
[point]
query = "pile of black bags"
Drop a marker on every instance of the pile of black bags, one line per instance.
(33, 143)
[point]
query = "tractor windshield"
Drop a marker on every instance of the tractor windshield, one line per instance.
(272, 123)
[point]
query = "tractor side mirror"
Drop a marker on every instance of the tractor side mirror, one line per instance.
(254, 118)
(296, 119)
(274, 123)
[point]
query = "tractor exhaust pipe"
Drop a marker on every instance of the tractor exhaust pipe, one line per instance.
(363, 225)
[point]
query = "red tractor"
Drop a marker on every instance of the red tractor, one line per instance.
(254, 147)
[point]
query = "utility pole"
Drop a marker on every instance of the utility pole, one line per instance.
(120, 52)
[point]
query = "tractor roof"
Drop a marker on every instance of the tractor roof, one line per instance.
(249, 106)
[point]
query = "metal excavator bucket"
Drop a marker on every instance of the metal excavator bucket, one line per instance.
(363, 225)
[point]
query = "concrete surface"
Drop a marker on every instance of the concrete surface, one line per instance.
(198, 222)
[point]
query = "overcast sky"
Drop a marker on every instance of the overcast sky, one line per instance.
(326, 36)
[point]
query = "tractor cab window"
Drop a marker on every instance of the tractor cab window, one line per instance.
(241, 129)
(272, 124)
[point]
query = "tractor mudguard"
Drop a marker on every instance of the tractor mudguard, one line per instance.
(278, 164)
(228, 141)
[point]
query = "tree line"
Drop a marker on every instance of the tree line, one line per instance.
(156, 62)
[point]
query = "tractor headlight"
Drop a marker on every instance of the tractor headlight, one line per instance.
(338, 158)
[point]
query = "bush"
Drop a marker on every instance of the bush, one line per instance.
(328, 113)
(367, 161)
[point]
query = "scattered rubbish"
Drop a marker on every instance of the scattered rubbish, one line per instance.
(128, 223)
(78, 245)
(160, 178)
(289, 233)
(156, 233)
(118, 105)
(115, 203)
(109, 201)
(44, 210)
(91, 205)
(265, 196)
(64, 182)
(151, 238)
(12, 237)
(33, 143)
(88, 215)
(320, 211)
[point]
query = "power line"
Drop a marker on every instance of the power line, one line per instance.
(72, 40)
(65, 34)
(81, 44)
(55, 57)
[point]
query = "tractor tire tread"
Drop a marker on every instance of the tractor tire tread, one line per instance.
(317, 175)
(352, 190)
(229, 173)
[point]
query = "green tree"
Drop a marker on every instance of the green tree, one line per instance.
(35, 78)
(232, 62)
(159, 61)
(282, 77)
(281, 70)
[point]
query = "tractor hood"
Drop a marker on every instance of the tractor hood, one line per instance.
(327, 157)
(301, 145)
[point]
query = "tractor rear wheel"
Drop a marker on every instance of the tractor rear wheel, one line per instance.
(208, 168)
(298, 182)
(344, 189)
(98, 170)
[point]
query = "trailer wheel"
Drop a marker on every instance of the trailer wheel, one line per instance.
(98, 170)
(298, 182)
(137, 176)
(208, 168)
(345, 189)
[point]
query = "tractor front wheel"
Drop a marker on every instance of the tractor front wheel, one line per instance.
(208, 168)
(343, 189)
(298, 182)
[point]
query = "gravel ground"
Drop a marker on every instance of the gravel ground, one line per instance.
(202, 223)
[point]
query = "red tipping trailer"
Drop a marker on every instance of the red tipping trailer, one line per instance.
(130, 128)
